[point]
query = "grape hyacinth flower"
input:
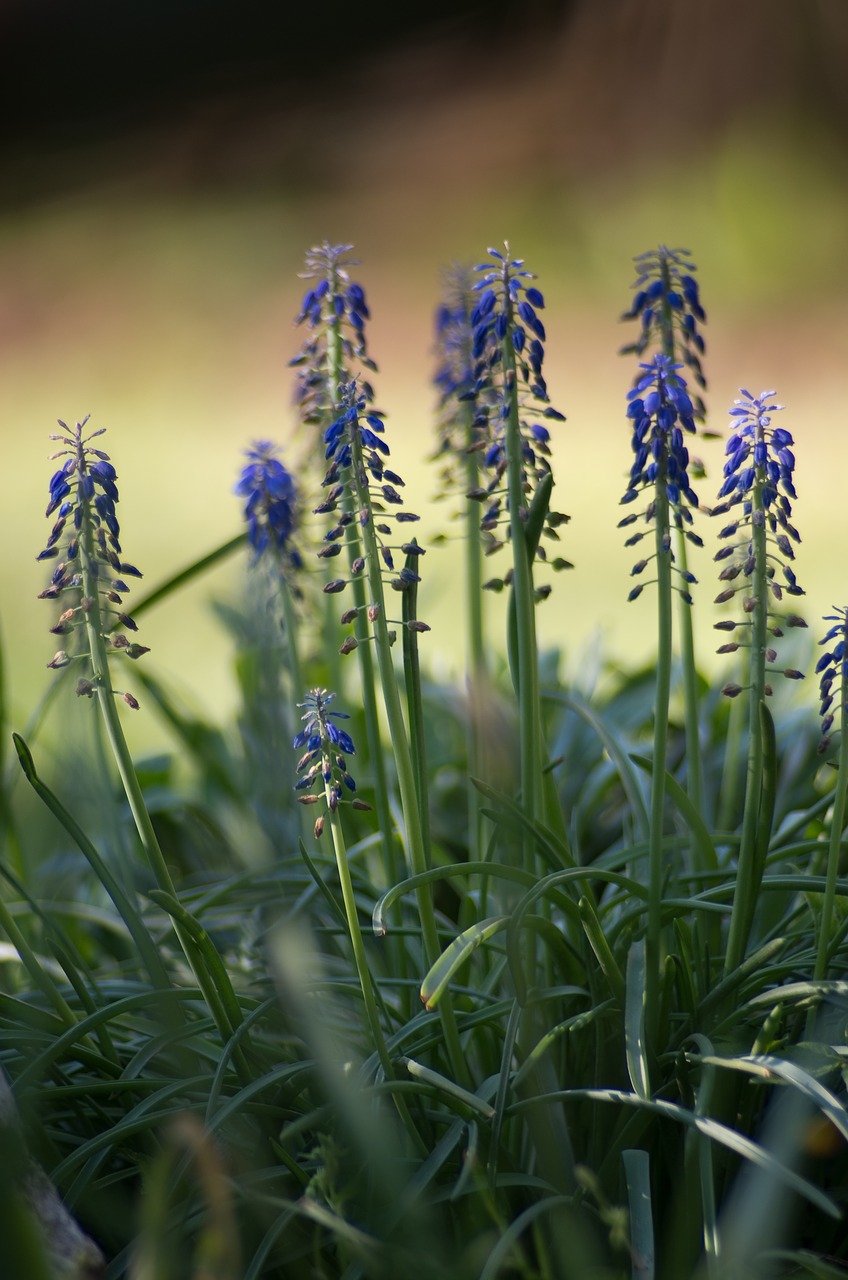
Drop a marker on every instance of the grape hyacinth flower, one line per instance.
(366, 490)
(270, 507)
(511, 395)
(832, 667)
(89, 578)
(668, 306)
(758, 476)
(323, 765)
(660, 410)
(335, 311)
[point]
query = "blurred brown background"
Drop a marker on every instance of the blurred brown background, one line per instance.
(166, 164)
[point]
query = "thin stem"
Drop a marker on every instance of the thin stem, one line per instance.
(525, 614)
(748, 874)
(476, 650)
(837, 824)
(411, 801)
(360, 959)
(336, 374)
(655, 845)
(694, 771)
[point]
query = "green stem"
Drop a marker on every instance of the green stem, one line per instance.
(411, 801)
(336, 374)
(837, 824)
(103, 691)
(525, 614)
(366, 982)
(748, 875)
(653, 938)
(476, 650)
(694, 770)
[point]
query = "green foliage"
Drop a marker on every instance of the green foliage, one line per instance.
(240, 1049)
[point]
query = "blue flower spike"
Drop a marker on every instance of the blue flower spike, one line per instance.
(667, 304)
(506, 314)
(323, 764)
(89, 576)
(661, 411)
(363, 489)
(832, 667)
(759, 480)
(334, 311)
(270, 504)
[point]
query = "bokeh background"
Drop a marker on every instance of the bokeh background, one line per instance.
(165, 165)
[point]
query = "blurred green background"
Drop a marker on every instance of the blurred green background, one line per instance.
(166, 166)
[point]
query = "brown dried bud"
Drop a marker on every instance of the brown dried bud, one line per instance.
(349, 615)
(349, 644)
(334, 586)
(749, 604)
(126, 621)
(724, 596)
(727, 648)
(415, 624)
(131, 701)
(356, 803)
(794, 620)
(392, 637)
(67, 616)
(318, 829)
(86, 604)
(84, 689)
(792, 674)
(767, 690)
(59, 659)
(120, 641)
(308, 799)
(357, 566)
(727, 625)
(135, 651)
(373, 612)
(731, 690)
(771, 655)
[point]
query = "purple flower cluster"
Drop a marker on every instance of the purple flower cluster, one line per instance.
(758, 473)
(355, 451)
(323, 765)
(270, 506)
(332, 305)
(506, 317)
(833, 666)
(660, 409)
(668, 306)
(83, 497)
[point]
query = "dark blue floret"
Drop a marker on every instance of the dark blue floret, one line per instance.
(326, 746)
(270, 496)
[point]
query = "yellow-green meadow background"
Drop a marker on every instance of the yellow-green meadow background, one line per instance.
(149, 251)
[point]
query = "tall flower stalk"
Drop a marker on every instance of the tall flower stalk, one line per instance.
(757, 477)
(463, 432)
(89, 580)
(334, 311)
(668, 307)
(660, 410)
(271, 514)
(364, 495)
(832, 667)
(324, 777)
(508, 353)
